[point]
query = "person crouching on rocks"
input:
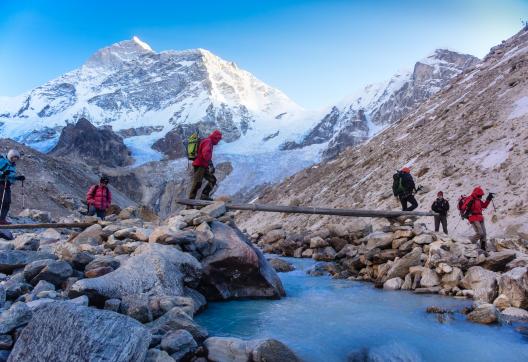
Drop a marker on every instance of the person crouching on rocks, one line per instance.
(7, 178)
(440, 206)
(473, 206)
(99, 198)
(203, 167)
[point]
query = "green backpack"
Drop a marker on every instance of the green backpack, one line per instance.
(397, 184)
(193, 142)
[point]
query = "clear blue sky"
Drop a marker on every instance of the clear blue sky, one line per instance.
(317, 52)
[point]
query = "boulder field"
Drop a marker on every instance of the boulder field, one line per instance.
(127, 289)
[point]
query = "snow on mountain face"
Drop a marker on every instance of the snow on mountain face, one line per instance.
(128, 85)
(362, 115)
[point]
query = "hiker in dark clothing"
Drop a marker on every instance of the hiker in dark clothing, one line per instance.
(440, 206)
(404, 188)
(99, 198)
(203, 167)
(7, 178)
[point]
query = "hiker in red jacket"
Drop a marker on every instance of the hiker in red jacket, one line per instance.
(474, 205)
(99, 198)
(203, 166)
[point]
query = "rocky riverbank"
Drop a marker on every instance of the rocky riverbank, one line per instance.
(402, 254)
(127, 289)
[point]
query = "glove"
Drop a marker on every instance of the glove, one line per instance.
(20, 178)
(211, 168)
(490, 197)
(6, 172)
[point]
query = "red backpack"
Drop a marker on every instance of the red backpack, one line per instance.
(465, 213)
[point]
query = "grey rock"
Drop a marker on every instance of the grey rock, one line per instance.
(222, 278)
(6, 235)
(15, 288)
(176, 318)
(54, 272)
(6, 341)
(112, 305)
(215, 210)
(379, 240)
(26, 242)
(156, 355)
(271, 350)
(512, 313)
(179, 344)
(226, 349)
(81, 259)
(62, 331)
(393, 284)
(514, 285)
(16, 259)
(429, 278)
(18, 315)
(281, 266)
(497, 261)
(153, 269)
(483, 283)
(484, 314)
(401, 266)
(136, 306)
(101, 262)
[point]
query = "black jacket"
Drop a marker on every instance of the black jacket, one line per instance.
(408, 182)
(440, 206)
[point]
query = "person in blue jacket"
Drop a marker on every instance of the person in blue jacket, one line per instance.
(8, 177)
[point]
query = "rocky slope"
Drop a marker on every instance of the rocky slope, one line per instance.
(96, 146)
(472, 133)
(57, 185)
(365, 113)
(127, 289)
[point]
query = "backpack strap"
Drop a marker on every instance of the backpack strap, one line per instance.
(94, 191)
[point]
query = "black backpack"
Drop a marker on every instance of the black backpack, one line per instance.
(398, 187)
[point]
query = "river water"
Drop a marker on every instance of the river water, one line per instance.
(323, 319)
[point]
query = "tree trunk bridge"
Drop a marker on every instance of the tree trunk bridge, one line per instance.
(390, 214)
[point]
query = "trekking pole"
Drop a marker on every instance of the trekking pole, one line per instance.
(23, 196)
(458, 223)
(3, 196)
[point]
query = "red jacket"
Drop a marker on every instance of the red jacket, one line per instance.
(99, 196)
(205, 150)
(477, 206)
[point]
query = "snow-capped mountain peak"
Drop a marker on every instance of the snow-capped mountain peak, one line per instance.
(115, 54)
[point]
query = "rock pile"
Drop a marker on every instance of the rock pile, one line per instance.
(127, 289)
(401, 254)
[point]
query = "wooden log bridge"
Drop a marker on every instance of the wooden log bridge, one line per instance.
(79, 225)
(310, 210)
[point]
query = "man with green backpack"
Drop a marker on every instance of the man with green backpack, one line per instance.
(403, 187)
(201, 153)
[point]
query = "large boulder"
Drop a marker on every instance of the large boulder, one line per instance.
(497, 261)
(483, 283)
(63, 331)
(176, 319)
(379, 240)
(16, 259)
(484, 314)
(514, 285)
(153, 269)
(237, 269)
(401, 266)
(226, 349)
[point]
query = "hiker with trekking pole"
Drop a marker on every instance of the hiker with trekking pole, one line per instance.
(8, 177)
(471, 208)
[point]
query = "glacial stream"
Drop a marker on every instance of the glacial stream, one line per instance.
(328, 320)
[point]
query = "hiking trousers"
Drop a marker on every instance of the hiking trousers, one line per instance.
(101, 214)
(440, 219)
(7, 202)
(404, 199)
(200, 173)
(480, 233)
